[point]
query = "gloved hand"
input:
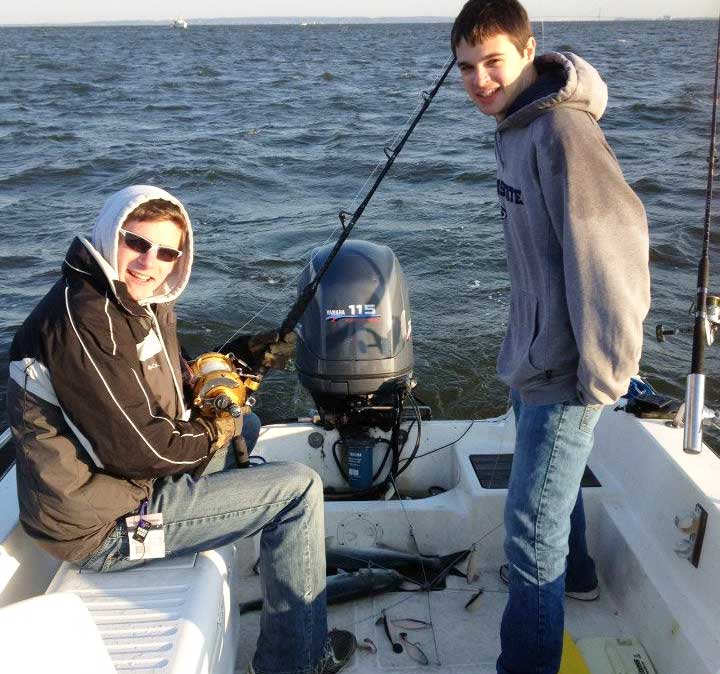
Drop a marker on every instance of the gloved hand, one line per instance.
(220, 429)
(268, 349)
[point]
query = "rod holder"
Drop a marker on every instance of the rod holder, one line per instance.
(694, 407)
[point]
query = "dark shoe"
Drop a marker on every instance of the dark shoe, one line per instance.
(339, 649)
(581, 595)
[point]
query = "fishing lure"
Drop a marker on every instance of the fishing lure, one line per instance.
(383, 620)
(474, 602)
(410, 623)
(368, 645)
(473, 569)
(414, 650)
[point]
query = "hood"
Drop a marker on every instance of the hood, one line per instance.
(581, 88)
(103, 245)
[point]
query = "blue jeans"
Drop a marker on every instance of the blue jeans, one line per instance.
(545, 531)
(284, 501)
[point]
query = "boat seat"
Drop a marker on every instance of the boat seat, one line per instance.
(52, 633)
(175, 615)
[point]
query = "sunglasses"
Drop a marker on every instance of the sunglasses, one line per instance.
(141, 245)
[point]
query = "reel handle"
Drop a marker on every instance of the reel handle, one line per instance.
(239, 446)
(223, 402)
(661, 332)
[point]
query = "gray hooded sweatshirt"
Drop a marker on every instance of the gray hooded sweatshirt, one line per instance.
(577, 243)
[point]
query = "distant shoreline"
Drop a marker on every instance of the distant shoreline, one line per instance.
(323, 20)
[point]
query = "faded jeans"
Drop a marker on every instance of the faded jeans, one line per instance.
(545, 531)
(282, 500)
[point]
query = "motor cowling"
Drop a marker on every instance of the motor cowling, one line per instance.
(354, 349)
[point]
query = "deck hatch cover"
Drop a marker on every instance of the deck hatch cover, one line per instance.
(493, 471)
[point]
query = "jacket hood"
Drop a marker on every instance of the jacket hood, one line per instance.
(583, 89)
(103, 245)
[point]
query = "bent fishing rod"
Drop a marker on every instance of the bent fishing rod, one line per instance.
(707, 308)
(221, 385)
(308, 292)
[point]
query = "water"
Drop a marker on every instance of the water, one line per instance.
(265, 132)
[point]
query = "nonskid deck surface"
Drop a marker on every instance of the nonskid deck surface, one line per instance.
(467, 642)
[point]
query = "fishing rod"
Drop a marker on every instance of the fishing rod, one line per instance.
(707, 308)
(308, 292)
(224, 385)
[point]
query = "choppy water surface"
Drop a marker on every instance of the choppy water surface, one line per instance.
(265, 132)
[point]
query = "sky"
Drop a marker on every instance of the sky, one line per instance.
(81, 11)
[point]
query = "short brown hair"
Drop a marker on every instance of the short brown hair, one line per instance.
(481, 19)
(159, 209)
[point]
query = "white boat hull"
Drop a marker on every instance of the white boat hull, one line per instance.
(647, 590)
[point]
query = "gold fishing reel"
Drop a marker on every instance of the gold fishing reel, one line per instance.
(220, 386)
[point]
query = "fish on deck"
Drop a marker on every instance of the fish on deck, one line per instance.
(429, 572)
(346, 586)
(360, 573)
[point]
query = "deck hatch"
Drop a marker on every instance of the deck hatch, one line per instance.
(493, 471)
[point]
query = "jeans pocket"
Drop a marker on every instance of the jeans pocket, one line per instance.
(104, 556)
(590, 417)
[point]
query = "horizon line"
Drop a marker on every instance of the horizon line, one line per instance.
(334, 20)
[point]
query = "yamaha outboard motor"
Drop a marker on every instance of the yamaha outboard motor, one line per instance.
(354, 351)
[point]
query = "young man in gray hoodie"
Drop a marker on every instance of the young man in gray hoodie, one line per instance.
(577, 248)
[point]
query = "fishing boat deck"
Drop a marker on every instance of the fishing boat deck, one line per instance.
(643, 482)
(462, 642)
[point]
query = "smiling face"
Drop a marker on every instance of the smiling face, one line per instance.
(494, 72)
(143, 273)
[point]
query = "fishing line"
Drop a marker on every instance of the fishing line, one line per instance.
(377, 614)
(281, 291)
(391, 152)
(542, 29)
(409, 594)
(487, 533)
(396, 138)
(422, 566)
(474, 590)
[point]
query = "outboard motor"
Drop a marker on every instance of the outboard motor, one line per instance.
(354, 351)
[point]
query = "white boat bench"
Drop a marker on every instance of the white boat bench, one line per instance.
(178, 616)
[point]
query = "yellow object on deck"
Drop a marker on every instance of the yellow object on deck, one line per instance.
(572, 660)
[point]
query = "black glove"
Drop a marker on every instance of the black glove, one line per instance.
(268, 349)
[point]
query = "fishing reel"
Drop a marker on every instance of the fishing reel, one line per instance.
(222, 384)
(712, 322)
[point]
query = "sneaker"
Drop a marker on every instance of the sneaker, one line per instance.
(581, 595)
(339, 649)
